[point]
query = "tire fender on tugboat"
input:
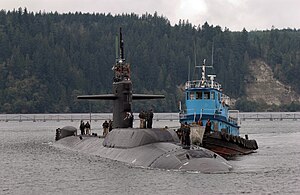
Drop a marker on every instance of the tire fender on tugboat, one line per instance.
(238, 140)
(226, 136)
(243, 142)
(254, 144)
(233, 138)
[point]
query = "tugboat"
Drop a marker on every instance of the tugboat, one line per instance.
(145, 147)
(208, 108)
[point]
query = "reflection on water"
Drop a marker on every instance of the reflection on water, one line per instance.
(31, 165)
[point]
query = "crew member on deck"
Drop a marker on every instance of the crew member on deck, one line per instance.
(110, 125)
(200, 122)
(149, 119)
(208, 127)
(181, 134)
(142, 117)
(131, 120)
(88, 128)
(129, 116)
(81, 127)
(105, 126)
(187, 132)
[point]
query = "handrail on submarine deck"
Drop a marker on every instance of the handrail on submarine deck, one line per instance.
(78, 117)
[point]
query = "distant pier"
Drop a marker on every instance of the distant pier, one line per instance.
(244, 116)
(78, 117)
(270, 116)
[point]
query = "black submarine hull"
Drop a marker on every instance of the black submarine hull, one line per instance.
(149, 148)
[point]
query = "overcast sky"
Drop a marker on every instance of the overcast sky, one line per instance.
(233, 14)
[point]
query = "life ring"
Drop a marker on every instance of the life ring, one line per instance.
(243, 142)
(248, 144)
(255, 145)
(238, 140)
(234, 138)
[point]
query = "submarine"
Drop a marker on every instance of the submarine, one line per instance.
(157, 148)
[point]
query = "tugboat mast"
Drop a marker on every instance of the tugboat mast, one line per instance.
(203, 78)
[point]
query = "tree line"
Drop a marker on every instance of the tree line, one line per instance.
(47, 59)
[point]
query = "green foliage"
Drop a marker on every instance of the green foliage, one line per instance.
(245, 105)
(293, 107)
(47, 59)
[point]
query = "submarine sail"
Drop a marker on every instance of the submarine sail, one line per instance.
(122, 91)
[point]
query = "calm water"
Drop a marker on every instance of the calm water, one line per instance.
(30, 164)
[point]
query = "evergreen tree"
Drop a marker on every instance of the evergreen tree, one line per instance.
(47, 59)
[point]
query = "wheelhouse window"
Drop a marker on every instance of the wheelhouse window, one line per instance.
(212, 95)
(206, 95)
(192, 95)
(199, 95)
(188, 95)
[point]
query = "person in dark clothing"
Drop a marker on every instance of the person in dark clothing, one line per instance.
(105, 126)
(81, 127)
(131, 119)
(110, 125)
(200, 122)
(187, 132)
(142, 117)
(180, 133)
(88, 128)
(208, 127)
(149, 118)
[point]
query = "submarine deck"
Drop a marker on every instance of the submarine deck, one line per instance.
(158, 154)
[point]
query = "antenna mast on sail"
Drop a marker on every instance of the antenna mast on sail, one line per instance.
(121, 46)
(117, 48)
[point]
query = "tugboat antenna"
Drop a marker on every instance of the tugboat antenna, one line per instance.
(212, 54)
(195, 56)
(189, 73)
(203, 72)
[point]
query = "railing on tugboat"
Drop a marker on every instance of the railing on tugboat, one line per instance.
(201, 84)
(233, 115)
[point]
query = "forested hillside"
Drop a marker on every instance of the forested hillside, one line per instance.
(47, 59)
